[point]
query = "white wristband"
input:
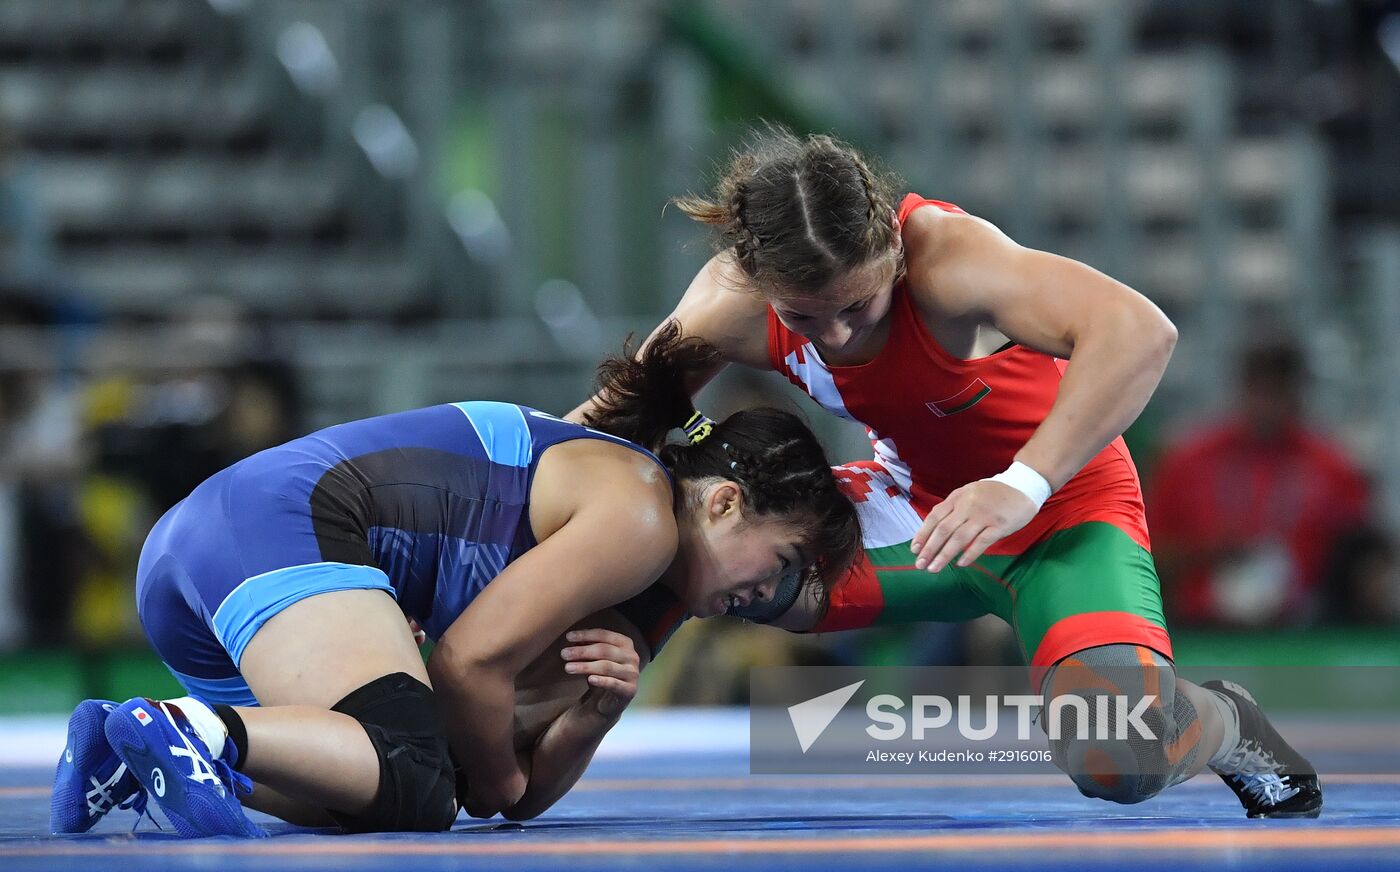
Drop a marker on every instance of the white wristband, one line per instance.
(1025, 480)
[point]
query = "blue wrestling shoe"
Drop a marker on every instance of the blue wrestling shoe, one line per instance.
(166, 754)
(91, 779)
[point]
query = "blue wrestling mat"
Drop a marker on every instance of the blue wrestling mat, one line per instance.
(671, 790)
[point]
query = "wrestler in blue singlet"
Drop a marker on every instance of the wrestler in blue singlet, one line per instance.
(427, 505)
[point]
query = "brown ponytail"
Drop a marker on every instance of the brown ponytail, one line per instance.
(797, 212)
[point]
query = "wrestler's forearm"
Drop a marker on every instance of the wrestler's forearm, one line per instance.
(560, 757)
(477, 705)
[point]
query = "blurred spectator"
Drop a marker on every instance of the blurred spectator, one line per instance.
(263, 409)
(155, 440)
(41, 462)
(88, 463)
(1245, 515)
(1363, 585)
(40, 458)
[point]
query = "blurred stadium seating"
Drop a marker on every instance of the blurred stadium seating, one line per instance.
(404, 203)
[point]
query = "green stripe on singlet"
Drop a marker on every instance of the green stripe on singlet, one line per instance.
(1090, 567)
(955, 594)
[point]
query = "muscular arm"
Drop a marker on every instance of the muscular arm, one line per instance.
(1116, 341)
(570, 719)
(717, 309)
(532, 602)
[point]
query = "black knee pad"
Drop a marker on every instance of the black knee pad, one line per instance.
(416, 778)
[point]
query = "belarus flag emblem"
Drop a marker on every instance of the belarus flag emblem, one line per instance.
(961, 401)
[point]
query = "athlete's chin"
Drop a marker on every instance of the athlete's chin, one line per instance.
(707, 608)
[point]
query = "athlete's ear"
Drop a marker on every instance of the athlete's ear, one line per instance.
(724, 501)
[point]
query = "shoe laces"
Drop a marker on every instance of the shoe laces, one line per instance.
(1267, 787)
(1255, 770)
(139, 802)
(235, 781)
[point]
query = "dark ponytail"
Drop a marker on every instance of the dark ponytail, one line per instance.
(642, 399)
(769, 453)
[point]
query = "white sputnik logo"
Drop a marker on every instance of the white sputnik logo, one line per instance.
(811, 718)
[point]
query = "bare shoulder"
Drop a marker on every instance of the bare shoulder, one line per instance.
(720, 308)
(948, 256)
(617, 485)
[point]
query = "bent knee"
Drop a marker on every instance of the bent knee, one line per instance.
(417, 792)
(1107, 761)
(1102, 774)
(417, 781)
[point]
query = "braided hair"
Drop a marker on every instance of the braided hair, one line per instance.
(770, 454)
(797, 212)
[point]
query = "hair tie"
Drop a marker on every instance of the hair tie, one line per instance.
(698, 427)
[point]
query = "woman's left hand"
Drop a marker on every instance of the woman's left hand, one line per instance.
(610, 662)
(968, 522)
